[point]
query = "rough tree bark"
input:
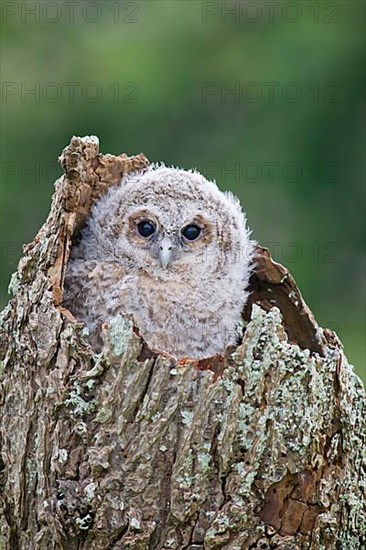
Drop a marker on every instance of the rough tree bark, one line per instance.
(261, 448)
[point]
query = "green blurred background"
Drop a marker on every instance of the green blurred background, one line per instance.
(267, 98)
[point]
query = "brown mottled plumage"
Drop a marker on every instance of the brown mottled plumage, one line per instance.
(169, 250)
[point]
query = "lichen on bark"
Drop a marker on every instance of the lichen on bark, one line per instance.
(263, 447)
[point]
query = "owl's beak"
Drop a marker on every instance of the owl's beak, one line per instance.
(165, 251)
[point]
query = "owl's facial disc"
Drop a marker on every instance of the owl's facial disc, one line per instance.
(170, 238)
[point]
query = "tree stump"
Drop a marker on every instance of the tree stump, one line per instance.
(261, 448)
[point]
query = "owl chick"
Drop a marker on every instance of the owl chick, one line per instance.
(167, 249)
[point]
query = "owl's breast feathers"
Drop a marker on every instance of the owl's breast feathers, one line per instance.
(173, 314)
(177, 315)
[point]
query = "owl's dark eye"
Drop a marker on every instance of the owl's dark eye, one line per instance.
(146, 228)
(191, 232)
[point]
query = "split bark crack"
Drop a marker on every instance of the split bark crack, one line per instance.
(260, 448)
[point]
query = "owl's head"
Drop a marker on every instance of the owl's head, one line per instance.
(166, 221)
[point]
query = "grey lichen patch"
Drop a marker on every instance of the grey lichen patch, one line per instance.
(4, 314)
(221, 525)
(13, 286)
(84, 523)
(135, 524)
(62, 455)
(118, 335)
(186, 417)
(185, 479)
(275, 375)
(44, 244)
(77, 403)
(204, 460)
(90, 491)
(85, 332)
(353, 486)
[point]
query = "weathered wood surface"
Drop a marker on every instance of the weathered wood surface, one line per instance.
(263, 448)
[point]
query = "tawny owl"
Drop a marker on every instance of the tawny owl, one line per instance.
(167, 249)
